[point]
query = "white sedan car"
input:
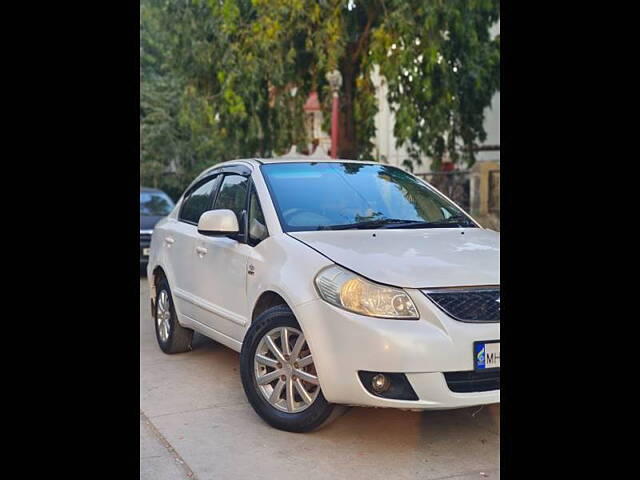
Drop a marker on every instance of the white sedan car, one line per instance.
(339, 282)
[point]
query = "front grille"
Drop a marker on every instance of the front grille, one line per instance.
(469, 304)
(470, 381)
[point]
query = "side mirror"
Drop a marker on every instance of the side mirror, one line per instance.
(218, 222)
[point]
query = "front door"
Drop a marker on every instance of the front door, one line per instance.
(220, 271)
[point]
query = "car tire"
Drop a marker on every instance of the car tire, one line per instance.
(172, 337)
(313, 415)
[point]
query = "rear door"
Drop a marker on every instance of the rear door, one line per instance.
(180, 240)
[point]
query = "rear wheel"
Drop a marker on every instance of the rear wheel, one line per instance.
(279, 376)
(172, 337)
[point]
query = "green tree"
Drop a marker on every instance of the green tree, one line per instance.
(236, 74)
(174, 146)
(442, 68)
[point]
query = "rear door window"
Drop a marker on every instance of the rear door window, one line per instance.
(197, 202)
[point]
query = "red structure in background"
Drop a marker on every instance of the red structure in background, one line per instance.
(334, 127)
(447, 166)
(312, 104)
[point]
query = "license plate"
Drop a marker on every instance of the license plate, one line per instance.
(145, 252)
(486, 355)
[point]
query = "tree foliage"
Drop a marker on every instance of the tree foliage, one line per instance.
(442, 69)
(223, 79)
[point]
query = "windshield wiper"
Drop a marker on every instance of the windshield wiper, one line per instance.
(390, 223)
(378, 223)
(460, 220)
(456, 219)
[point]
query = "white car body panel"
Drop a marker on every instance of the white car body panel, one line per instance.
(435, 343)
(221, 304)
(216, 296)
(437, 257)
(177, 255)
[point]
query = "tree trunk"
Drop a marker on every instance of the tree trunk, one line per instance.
(263, 114)
(347, 138)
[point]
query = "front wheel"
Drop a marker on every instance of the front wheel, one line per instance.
(279, 376)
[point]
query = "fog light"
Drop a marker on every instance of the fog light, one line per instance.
(380, 383)
(387, 385)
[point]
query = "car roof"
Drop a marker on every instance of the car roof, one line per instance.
(301, 159)
(310, 160)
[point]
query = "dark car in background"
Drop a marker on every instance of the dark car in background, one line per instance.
(154, 205)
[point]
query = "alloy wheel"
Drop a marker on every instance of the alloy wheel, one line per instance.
(163, 315)
(284, 370)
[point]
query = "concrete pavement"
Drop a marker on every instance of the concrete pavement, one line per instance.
(197, 414)
(158, 460)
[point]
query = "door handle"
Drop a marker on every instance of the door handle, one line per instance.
(201, 251)
(169, 241)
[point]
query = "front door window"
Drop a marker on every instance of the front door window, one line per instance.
(233, 196)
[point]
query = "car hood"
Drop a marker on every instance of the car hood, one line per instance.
(147, 222)
(437, 257)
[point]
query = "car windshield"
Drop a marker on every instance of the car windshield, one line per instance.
(155, 204)
(341, 196)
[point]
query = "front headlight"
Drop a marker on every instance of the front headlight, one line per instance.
(347, 290)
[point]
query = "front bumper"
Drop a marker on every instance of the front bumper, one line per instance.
(344, 343)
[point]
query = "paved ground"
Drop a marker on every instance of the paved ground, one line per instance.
(196, 423)
(158, 460)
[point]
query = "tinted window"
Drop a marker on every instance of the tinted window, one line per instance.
(312, 196)
(155, 204)
(257, 225)
(233, 196)
(197, 202)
